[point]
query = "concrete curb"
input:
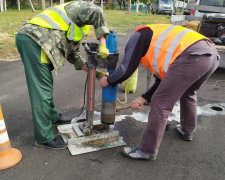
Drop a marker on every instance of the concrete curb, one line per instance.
(16, 59)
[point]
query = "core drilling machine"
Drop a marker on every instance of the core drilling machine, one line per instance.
(109, 93)
(87, 136)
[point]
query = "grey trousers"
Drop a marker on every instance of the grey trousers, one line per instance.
(184, 77)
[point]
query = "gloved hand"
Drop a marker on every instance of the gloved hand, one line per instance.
(103, 51)
(100, 74)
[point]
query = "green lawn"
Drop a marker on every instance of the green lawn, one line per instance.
(119, 20)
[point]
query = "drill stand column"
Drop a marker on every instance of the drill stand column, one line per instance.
(93, 61)
(92, 64)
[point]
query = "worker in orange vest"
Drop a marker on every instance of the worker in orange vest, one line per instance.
(181, 60)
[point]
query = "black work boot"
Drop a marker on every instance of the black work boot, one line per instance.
(63, 120)
(53, 144)
(186, 136)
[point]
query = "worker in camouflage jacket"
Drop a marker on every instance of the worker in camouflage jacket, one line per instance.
(45, 43)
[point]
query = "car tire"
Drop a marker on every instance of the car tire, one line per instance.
(221, 33)
(152, 11)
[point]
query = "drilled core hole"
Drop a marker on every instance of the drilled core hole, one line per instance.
(216, 108)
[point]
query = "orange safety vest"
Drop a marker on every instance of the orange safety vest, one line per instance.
(168, 42)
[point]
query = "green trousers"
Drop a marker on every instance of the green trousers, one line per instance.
(40, 86)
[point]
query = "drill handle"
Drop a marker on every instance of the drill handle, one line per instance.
(122, 108)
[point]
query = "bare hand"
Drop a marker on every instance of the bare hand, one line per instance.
(103, 81)
(137, 103)
(84, 68)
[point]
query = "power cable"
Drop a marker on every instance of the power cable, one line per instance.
(85, 87)
(125, 96)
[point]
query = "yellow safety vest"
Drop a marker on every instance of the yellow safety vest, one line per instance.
(56, 18)
(168, 42)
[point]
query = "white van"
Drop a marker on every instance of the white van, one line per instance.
(216, 3)
(162, 7)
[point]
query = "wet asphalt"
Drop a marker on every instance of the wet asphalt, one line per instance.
(202, 158)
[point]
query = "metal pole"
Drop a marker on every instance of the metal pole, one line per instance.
(91, 50)
(178, 6)
(183, 8)
(91, 95)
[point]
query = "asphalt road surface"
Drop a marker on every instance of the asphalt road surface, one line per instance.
(203, 158)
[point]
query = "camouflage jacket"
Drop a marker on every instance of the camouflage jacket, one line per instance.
(54, 42)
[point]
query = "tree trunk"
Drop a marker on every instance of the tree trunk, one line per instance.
(129, 6)
(31, 5)
(61, 1)
(4, 5)
(43, 5)
(18, 5)
(50, 2)
(102, 4)
(1, 5)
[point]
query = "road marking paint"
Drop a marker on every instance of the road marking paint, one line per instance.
(175, 115)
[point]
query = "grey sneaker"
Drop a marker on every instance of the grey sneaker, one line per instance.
(186, 136)
(137, 153)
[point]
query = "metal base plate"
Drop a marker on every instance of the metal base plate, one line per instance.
(100, 138)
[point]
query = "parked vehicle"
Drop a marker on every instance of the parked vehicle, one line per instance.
(208, 21)
(216, 3)
(162, 7)
(212, 23)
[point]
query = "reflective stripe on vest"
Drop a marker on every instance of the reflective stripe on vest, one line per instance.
(79, 31)
(53, 18)
(56, 18)
(168, 42)
(62, 14)
(53, 23)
